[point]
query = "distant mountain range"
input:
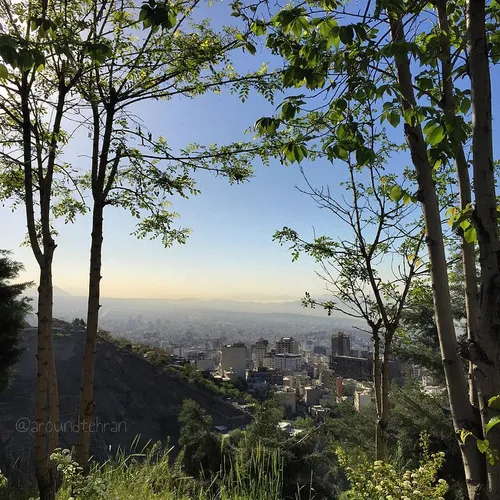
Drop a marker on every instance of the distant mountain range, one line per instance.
(287, 304)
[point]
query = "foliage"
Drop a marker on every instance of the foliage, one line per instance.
(378, 226)
(150, 473)
(381, 481)
(201, 448)
(224, 389)
(308, 458)
(264, 429)
(353, 431)
(3, 481)
(303, 423)
(419, 344)
(73, 479)
(483, 445)
(13, 311)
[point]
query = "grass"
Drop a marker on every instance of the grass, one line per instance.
(151, 475)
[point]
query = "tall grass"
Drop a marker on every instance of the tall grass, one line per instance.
(149, 474)
(256, 477)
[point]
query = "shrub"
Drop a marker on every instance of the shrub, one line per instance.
(381, 481)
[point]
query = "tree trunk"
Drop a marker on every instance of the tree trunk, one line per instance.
(487, 347)
(461, 410)
(45, 430)
(383, 415)
(87, 389)
(100, 189)
(46, 396)
(377, 382)
(464, 190)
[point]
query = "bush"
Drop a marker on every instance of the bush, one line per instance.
(381, 481)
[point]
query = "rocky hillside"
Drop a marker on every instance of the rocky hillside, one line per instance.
(133, 398)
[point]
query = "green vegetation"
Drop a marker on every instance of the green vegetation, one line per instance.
(225, 389)
(260, 462)
(13, 311)
(150, 475)
(381, 481)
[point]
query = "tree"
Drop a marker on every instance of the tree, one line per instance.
(485, 348)
(381, 226)
(347, 57)
(172, 55)
(264, 429)
(420, 343)
(201, 448)
(44, 48)
(13, 311)
(89, 66)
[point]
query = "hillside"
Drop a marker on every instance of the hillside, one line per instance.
(133, 397)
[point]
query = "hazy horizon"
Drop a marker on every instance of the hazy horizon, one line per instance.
(80, 293)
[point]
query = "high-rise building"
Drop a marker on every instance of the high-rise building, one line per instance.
(259, 350)
(341, 344)
(287, 345)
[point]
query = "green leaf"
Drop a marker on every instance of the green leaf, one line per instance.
(396, 193)
(250, 47)
(494, 402)
(267, 125)
(465, 105)
(394, 117)
(4, 72)
(470, 234)
(288, 110)
(483, 445)
(258, 27)
(145, 12)
(464, 434)
(341, 104)
(346, 34)
(492, 422)
(407, 198)
(425, 83)
(436, 136)
(364, 156)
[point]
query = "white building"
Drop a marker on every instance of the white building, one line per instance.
(287, 361)
(234, 359)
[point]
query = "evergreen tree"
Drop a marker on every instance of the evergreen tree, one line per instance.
(200, 446)
(13, 310)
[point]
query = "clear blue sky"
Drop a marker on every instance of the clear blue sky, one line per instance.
(230, 252)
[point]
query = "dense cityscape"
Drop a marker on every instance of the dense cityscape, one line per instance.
(306, 377)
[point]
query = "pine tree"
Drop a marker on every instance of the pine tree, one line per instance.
(13, 310)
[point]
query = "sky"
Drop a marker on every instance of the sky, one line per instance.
(230, 253)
